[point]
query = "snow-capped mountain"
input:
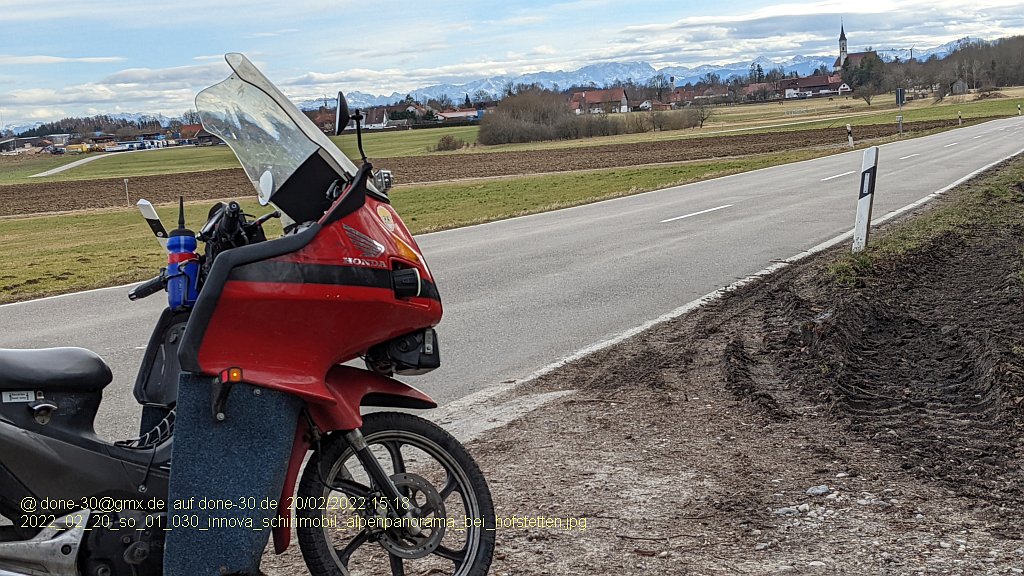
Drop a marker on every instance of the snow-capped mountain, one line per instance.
(20, 128)
(891, 54)
(143, 117)
(591, 75)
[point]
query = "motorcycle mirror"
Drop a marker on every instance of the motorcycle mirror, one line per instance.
(153, 219)
(266, 187)
(341, 116)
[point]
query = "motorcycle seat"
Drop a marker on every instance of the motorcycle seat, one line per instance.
(69, 369)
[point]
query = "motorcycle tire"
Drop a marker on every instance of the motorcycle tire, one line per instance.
(412, 441)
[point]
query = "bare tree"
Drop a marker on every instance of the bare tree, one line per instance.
(704, 111)
(658, 84)
(190, 116)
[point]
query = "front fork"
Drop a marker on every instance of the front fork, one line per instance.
(398, 504)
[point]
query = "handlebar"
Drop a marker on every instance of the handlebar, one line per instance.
(262, 219)
(148, 288)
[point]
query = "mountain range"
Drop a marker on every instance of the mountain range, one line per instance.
(594, 74)
(640, 72)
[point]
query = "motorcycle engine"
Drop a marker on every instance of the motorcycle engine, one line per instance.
(120, 544)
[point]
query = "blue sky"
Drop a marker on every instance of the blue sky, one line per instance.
(61, 58)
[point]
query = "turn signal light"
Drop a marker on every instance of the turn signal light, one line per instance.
(233, 375)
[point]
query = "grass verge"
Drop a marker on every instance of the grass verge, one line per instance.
(57, 254)
(46, 255)
(996, 199)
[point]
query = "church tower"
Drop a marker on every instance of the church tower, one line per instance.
(842, 45)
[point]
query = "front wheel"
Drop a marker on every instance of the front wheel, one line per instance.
(343, 526)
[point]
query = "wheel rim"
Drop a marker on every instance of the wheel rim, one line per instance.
(440, 558)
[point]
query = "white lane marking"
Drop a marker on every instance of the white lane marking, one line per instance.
(837, 176)
(715, 295)
(695, 213)
(911, 156)
(953, 144)
(978, 136)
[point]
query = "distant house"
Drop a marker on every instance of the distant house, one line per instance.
(8, 145)
(460, 114)
(204, 138)
(959, 87)
(189, 131)
(682, 96)
(654, 106)
(811, 86)
(324, 119)
(761, 91)
(712, 93)
(100, 139)
(599, 101)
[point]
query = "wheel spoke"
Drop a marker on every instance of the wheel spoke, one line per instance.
(397, 568)
(345, 554)
(449, 486)
(397, 461)
(458, 557)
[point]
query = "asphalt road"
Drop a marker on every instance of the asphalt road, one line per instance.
(522, 293)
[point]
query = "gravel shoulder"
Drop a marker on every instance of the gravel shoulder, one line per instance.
(798, 425)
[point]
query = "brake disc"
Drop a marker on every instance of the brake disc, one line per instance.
(418, 536)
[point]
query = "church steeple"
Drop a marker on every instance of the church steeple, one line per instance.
(842, 46)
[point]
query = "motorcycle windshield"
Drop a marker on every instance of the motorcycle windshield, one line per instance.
(287, 158)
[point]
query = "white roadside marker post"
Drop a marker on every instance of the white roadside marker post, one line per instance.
(849, 134)
(862, 227)
(1018, 109)
(153, 219)
(126, 198)
(899, 121)
(959, 119)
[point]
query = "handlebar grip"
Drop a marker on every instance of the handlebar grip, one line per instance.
(147, 288)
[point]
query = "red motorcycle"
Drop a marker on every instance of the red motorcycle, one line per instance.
(267, 428)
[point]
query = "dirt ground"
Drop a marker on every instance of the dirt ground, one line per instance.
(232, 183)
(795, 426)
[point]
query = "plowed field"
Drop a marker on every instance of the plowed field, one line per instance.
(106, 193)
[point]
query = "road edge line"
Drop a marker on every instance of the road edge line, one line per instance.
(449, 412)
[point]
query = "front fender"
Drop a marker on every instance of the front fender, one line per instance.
(355, 387)
(351, 389)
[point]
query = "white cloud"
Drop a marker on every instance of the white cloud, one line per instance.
(273, 34)
(201, 74)
(6, 59)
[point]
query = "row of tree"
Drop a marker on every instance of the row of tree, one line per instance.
(978, 64)
(102, 124)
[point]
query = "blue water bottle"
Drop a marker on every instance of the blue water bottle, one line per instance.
(182, 264)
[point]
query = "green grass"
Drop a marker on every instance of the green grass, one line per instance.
(402, 143)
(63, 253)
(17, 169)
(994, 200)
(58, 254)
(151, 162)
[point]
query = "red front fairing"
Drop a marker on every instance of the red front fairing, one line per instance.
(286, 321)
